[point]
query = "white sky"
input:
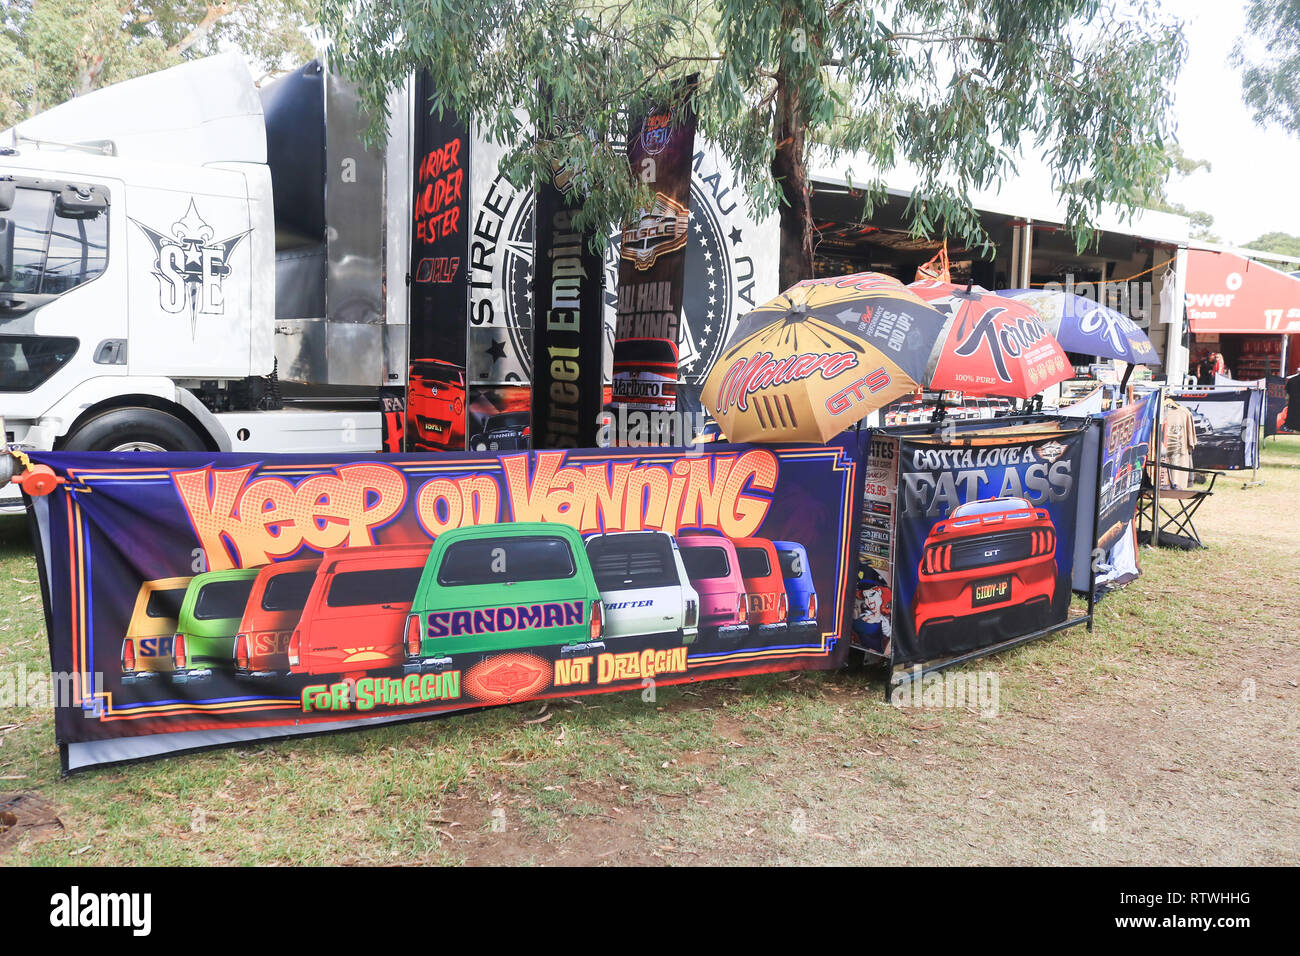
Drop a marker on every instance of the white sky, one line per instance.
(1252, 185)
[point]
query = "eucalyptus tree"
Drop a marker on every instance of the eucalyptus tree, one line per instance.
(957, 89)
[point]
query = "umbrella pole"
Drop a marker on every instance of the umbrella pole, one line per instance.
(940, 410)
(1123, 385)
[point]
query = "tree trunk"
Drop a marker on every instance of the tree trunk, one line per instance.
(790, 170)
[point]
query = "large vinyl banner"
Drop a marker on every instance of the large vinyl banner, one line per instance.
(439, 277)
(568, 293)
(731, 268)
(205, 599)
(652, 262)
(1227, 425)
(984, 544)
(1125, 443)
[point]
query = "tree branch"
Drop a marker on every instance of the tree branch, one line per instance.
(215, 12)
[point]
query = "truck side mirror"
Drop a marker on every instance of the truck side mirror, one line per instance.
(6, 249)
(8, 192)
(80, 202)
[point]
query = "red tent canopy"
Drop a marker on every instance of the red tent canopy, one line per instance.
(1226, 293)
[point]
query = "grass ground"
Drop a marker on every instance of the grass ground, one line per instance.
(1166, 735)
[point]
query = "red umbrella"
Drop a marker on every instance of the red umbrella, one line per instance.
(991, 345)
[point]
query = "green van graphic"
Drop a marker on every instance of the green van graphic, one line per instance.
(503, 587)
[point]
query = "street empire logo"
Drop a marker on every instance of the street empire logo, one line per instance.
(722, 280)
(1004, 339)
(504, 677)
(749, 375)
(655, 232)
(657, 132)
(190, 267)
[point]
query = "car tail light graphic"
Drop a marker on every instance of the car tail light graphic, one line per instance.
(128, 655)
(782, 607)
(742, 608)
(938, 558)
(812, 606)
(597, 620)
(293, 649)
(241, 651)
(178, 652)
(691, 612)
(1043, 542)
(413, 635)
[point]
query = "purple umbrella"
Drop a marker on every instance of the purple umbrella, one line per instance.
(1084, 326)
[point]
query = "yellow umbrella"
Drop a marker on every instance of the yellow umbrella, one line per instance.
(820, 357)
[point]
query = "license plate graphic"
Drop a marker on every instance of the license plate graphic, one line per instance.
(991, 591)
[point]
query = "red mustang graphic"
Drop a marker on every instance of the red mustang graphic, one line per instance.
(435, 406)
(985, 559)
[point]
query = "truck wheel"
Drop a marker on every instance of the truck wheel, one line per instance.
(134, 429)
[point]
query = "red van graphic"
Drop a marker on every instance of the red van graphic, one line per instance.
(987, 558)
(761, 568)
(274, 607)
(355, 616)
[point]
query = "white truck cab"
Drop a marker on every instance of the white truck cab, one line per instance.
(154, 296)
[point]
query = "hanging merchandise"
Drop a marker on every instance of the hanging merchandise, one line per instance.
(1177, 439)
(568, 299)
(937, 268)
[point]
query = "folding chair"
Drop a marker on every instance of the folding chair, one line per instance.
(1173, 508)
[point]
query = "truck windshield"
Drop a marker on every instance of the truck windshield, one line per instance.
(632, 561)
(384, 586)
(506, 561)
(222, 599)
(52, 253)
(706, 562)
(288, 591)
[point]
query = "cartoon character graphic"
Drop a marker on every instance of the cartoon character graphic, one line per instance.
(990, 558)
(871, 623)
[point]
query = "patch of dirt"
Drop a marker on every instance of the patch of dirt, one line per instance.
(496, 832)
(24, 817)
(1158, 759)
